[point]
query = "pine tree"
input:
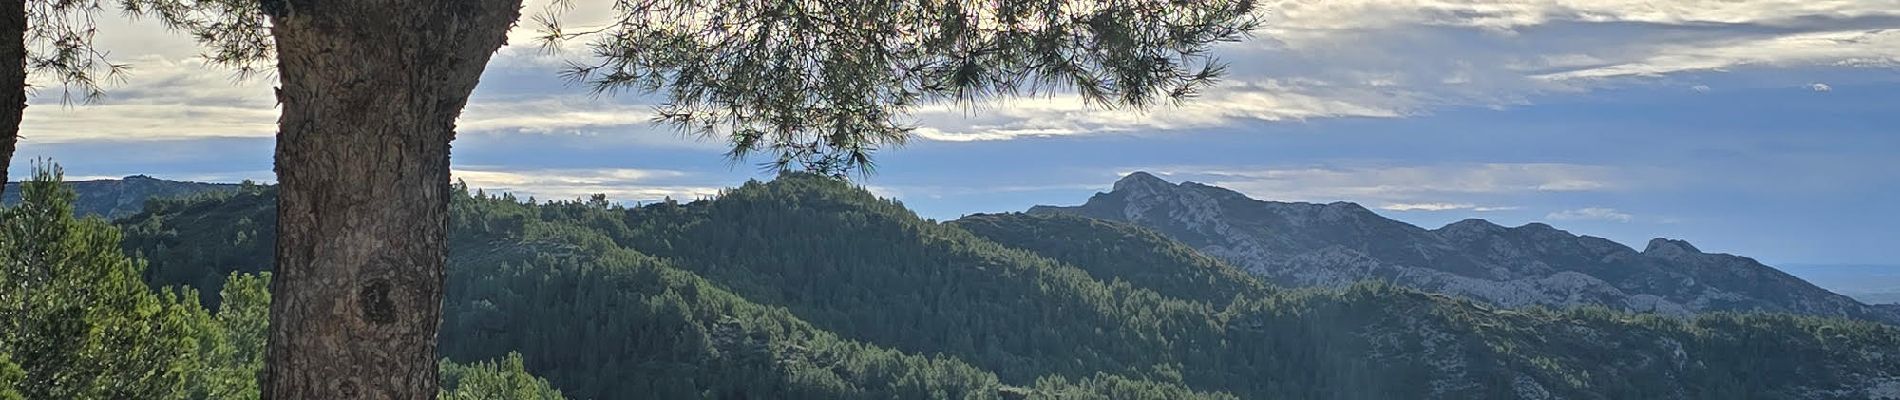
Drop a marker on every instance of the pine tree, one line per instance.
(79, 321)
(371, 91)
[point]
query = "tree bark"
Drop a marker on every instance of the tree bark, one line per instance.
(12, 81)
(370, 90)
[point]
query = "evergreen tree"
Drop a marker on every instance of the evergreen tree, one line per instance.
(78, 321)
(231, 340)
(364, 175)
(806, 287)
(486, 380)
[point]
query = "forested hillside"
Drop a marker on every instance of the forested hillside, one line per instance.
(806, 286)
(76, 322)
(1111, 250)
(601, 321)
(1341, 243)
(116, 198)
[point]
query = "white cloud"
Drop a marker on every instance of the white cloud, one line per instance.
(1063, 115)
(621, 184)
(1821, 87)
(162, 99)
(182, 99)
(1591, 214)
(1386, 58)
(1340, 182)
(1418, 187)
(1313, 59)
(1570, 185)
(1427, 206)
(1847, 48)
(1507, 15)
(550, 114)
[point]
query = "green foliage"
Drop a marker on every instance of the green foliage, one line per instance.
(118, 198)
(78, 322)
(806, 287)
(234, 31)
(199, 240)
(822, 84)
(575, 305)
(1111, 250)
(1106, 387)
(11, 377)
(488, 380)
(231, 341)
(59, 45)
(578, 304)
(869, 269)
(231, 354)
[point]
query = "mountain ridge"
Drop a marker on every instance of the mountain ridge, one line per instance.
(1300, 244)
(118, 198)
(806, 261)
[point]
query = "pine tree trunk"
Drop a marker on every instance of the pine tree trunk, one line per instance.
(12, 81)
(370, 90)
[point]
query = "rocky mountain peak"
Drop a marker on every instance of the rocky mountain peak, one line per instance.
(1470, 228)
(1670, 247)
(1473, 224)
(1141, 181)
(1537, 227)
(1308, 244)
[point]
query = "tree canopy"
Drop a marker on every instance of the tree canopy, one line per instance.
(80, 324)
(808, 287)
(820, 85)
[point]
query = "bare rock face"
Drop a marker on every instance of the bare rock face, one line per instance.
(1306, 244)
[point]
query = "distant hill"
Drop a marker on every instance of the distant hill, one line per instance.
(807, 287)
(1337, 244)
(602, 321)
(118, 198)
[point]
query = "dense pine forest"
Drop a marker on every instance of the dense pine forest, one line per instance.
(79, 323)
(807, 287)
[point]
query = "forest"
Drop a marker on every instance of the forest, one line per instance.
(83, 324)
(808, 287)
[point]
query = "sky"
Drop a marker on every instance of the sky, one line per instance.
(1766, 128)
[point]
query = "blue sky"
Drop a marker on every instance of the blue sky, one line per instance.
(1766, 128)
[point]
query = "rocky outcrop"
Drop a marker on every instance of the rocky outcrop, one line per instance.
(1306, 244)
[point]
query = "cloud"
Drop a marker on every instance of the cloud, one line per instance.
(1402, 207)
(1821, 87)
(1591, 214)
(1570, 185)
(1700, 88)
(1314, 59)
(550, 114)
(621, 184)
(1385, 59)
(1403, 185)
(1064, 115)
(161, 99)
(182, 99)
(1877, 48)
(1511, 16)
(1427, 206)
